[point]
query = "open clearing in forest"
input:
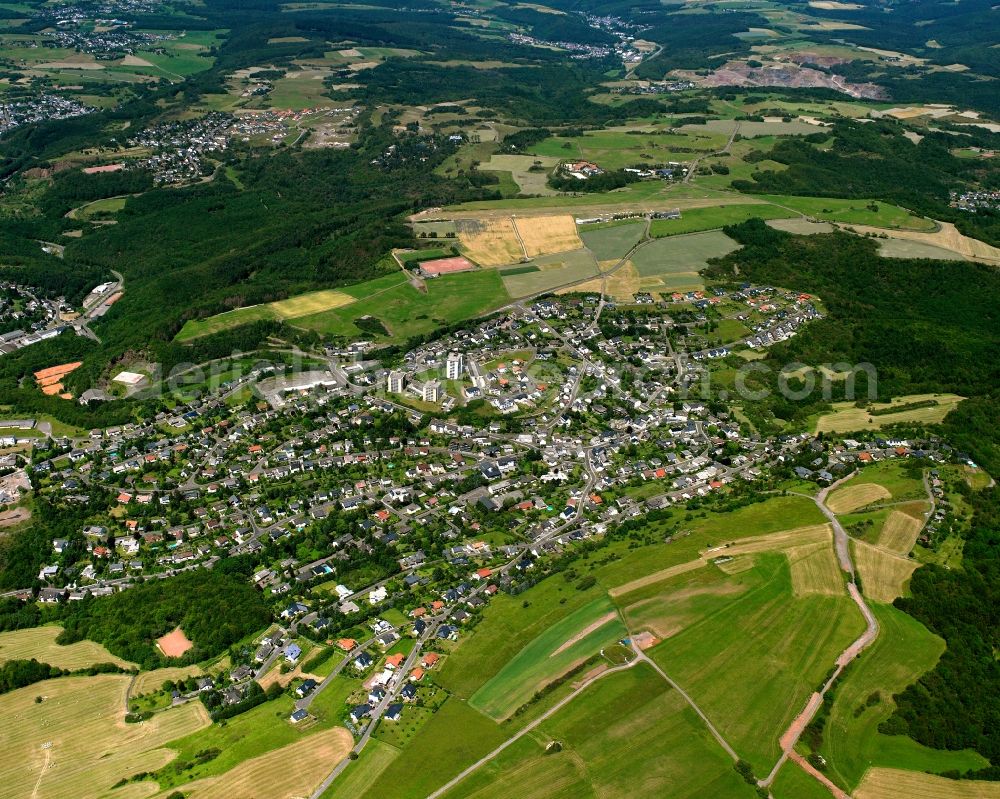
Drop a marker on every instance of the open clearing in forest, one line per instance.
(40, 643)
(286, 773)
(851, 497)
(174, 644)
(883, 574)
(543, 235)
(847, 417)
(75, 744)
(313, 302)
(524, 170)
(947, 237)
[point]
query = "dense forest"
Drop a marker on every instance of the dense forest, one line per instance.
(957, 705)
(877, 161)
(129, 623)
(925, 329)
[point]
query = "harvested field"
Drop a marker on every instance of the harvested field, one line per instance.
(800, 227)
(656, 577)
(623, 285)
(40, 643)
(947, 238)
(900, 531)
(490, 242)
(883, 573)
(815, 569)
(542, 235)
(890, 783)
(270, 777)
(851, 497)
(901, 248)
(313, 302)
(75, 744)
(174, 644)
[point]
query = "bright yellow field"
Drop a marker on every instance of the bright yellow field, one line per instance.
(883, 574)
(76, 744)
(850, 498)
(286, 773)
(40, 643)
(847, 417)
(548, 234)
(490, 242)
(313, 302)
(890, 783)
(900, 531)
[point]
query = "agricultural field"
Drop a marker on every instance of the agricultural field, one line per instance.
(714, 217)
(800, 227)
(901, 528)
(75, 744)
(847, 417)
(943, 235)
(752, 664)
(852, 212)
(40, 643)
(529, 172)
(507, 627)
(792, 782)
(884, 574)
(374, 759)
(853, 496)
(884, 783)
(562, 646)
(616, 148)
(903, 651)
(892, 475)
(601, 755)
(753, 129)
(545, 235)
(611, 242)
(551, 272)
(673, 264)
(454, 737)
(270, 775)
(490, 242)
(902, 248)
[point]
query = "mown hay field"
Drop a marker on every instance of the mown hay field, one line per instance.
(883, 574)
(901, 528)
(40, 643)
(292, 771)
(891, 783)
(847, 417)
(851, 497)
(75, 744)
